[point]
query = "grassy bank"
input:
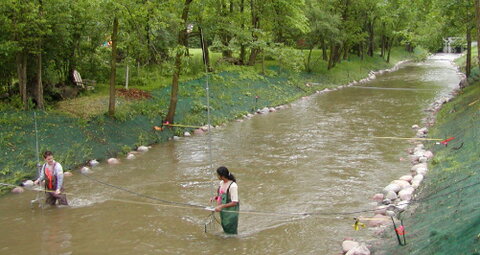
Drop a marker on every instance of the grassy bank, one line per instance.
(447, 219)
(77, 130)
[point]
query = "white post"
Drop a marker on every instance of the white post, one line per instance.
(126, 79)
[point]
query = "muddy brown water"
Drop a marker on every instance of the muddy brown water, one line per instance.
(318, 155)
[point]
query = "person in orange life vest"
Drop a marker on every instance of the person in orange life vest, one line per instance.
(227, 201)
(52, 173)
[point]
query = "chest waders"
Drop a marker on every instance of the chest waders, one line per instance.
(229, 215)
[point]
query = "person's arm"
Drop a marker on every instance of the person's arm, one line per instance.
(59, 171)
(42, 175)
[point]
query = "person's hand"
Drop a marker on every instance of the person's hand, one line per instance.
(58, 192)
(218, 208)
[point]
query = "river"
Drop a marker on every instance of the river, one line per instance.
(319, 155)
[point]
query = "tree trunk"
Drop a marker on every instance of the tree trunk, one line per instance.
(331, 59)
(389, 47)
(39, 84)
(206, 54)
(255, 25)
(21, 61)
(243, 51)
(468, 64)
(371, 39)
(324, 50)
(182, 40)
(477, 12)
(345, 52)
(307, 67)
(113, 68)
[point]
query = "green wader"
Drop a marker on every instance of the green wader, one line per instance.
(229, 215)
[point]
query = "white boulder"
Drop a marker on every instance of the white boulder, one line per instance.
(392, 187)
(347, 245)
(113, 161)
(93, 162)
(142, 148)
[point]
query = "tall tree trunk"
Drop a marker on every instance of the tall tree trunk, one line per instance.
(113, 68)
(206, 54)
(477, 15)
(307, 67)
(371, 39)
(468, 64)
(389, 47)
(243, 51)
(331, 60)
(345, 52)
(39, 84)
(324, 50)
(182, 40)
(255, 25)
(21, 61)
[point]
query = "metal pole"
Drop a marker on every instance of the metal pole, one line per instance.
(202, 41)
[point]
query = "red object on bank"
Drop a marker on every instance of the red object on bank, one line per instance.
(445, 142)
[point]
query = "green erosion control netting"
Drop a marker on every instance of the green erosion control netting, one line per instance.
(447, 221)
(74, 140)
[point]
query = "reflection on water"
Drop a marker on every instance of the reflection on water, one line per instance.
(318, 155)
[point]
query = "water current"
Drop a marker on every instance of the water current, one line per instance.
(318, 155)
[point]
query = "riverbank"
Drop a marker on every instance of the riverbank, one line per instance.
(442, 215)
(233, 94)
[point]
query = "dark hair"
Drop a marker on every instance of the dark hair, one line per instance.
(47, 153)
(223, 172)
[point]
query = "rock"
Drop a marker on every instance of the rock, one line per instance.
(18, 190)
(422, 159)
(271, 109)
(67, 174)
(416, 166)
(93, 162)
(386, 201)
(198, 131)
(113, 161)
(418, 178)
(206, 128)
(27, 183)
(402, 205)
(382, 209)
(187, 134)
(407, 178)
(142, 148)
(390, 213)
(406, 194)
(347, 245)
(423, 130)
(359, 250)
(402, 184)
(428, 154)
(131, 156)
(391, 195)
(392, 187)
(85, 170)
(175, 138)
(415, 126)
(378, 197)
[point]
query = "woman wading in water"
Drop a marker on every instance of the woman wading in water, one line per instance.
(227, 201)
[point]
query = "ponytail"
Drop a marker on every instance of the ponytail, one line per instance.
(223, 172)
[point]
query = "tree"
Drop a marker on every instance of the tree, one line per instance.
(113, 68)
(180, 51)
